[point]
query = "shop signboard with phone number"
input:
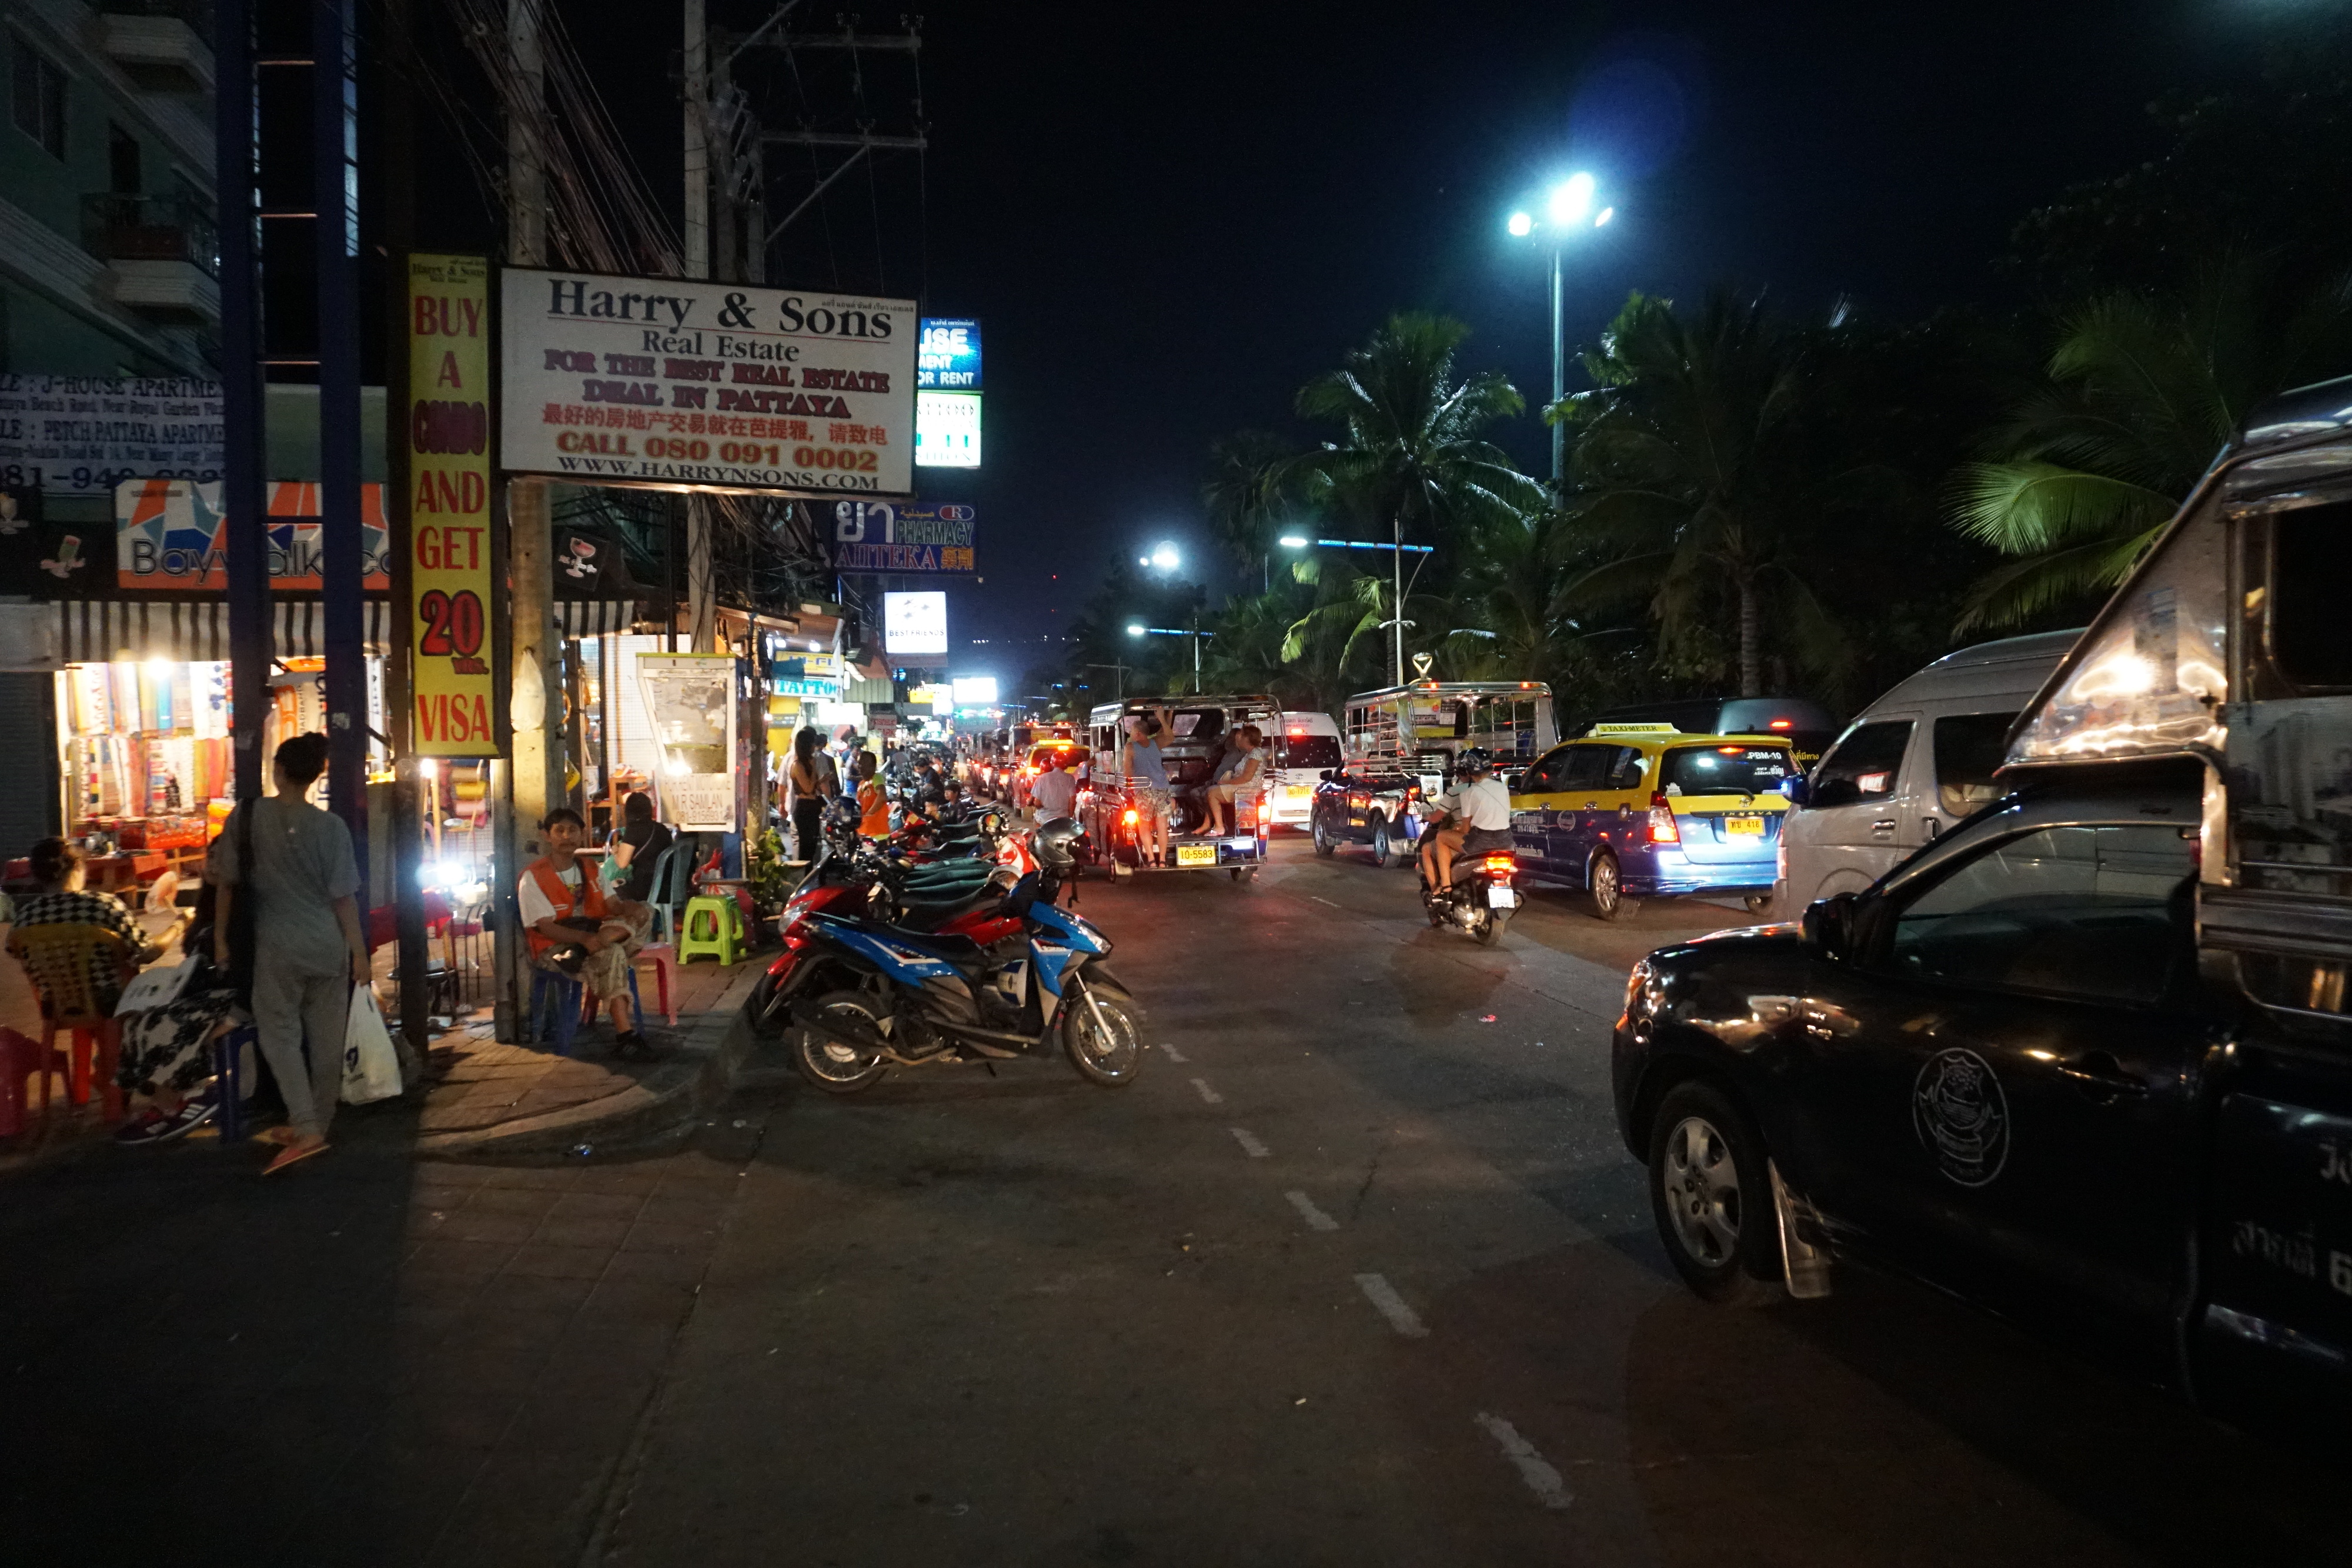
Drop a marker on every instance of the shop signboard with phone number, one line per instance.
(678, 381)
(452, 572)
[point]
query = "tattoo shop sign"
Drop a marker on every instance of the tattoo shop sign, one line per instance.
(678, 382)
(887, 536)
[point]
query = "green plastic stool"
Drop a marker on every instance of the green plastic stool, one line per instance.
(713, 928)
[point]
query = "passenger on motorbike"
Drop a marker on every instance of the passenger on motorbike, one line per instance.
(1475, 815)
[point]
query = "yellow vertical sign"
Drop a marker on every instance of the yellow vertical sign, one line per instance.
(451, 571)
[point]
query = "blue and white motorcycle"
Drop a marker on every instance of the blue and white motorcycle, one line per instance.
(1002, 980)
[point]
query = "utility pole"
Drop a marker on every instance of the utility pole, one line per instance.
(534, 777)
(1397, 523)
(699, 619)
(1559, 382)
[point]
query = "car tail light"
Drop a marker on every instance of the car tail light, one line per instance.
(1662, 829)
(1783, 724)
(1131, 817)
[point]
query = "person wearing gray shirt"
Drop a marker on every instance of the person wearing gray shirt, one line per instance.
(307, 949)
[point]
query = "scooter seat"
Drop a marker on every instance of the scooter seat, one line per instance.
(915, 909)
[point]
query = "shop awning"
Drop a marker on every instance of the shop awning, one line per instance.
(95, 630)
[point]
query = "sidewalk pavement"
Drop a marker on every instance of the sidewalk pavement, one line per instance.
(483, 1100)
(508, 1100)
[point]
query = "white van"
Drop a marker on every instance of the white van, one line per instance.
(1295, 759)
(1919, 759)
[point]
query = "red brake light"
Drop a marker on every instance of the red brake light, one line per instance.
(1662, 829)
(1133, 817)
(1502, 862)
(1783, 724)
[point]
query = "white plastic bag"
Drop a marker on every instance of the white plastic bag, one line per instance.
(371, 1066)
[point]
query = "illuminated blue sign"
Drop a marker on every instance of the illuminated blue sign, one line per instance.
(948, 359)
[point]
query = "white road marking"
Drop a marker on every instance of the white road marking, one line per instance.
(1176, 1056)
(1252, 1145)
(1382, 1295)
(1315, 1219)
(1533, 1468)
(1320, 899)
(1207, 1094)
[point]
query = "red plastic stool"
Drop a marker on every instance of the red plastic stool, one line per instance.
(20, 1058)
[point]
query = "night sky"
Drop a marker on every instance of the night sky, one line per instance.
(1167, 229)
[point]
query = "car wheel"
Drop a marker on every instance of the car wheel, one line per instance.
(1712, 1194)
(1381, 848)
(1606, 890)
(1322, 836)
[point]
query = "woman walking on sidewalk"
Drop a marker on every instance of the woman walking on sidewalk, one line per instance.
(307, 952)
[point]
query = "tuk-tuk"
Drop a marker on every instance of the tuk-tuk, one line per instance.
(1200, 726)
(1400, 742)
(2086, 1056)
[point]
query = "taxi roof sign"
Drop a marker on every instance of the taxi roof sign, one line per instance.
(1633, 729)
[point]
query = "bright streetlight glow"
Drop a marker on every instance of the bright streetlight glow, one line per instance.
(1292, 541)
(1166, 559)
(1136, 630)
(1603, 216)
(1571, 200)
(1521, 225)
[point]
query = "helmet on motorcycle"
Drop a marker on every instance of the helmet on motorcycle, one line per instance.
(1054, 842)
(1474, 762)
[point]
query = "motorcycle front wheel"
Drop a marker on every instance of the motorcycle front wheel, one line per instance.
(841, 1066)
(1107, 1050)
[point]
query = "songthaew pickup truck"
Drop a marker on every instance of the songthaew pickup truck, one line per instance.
(2086, 1056)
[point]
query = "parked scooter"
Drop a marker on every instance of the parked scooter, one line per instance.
(875, 974)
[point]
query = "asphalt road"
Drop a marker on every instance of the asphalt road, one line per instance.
(1355, 1273)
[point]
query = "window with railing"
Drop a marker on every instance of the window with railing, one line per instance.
(119, 227)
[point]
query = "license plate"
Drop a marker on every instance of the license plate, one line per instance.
(1744, 827)
(1196, 854)
(1502, 898)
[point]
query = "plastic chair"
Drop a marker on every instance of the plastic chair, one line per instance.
(662, 898)
(714, 928)
(57, 958)
(228, 1053)
(572, 1000)
(664, 958)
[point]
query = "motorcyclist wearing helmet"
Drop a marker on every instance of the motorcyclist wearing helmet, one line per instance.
(1475, 817)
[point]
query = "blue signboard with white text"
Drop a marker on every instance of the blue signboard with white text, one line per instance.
(947, 357)
(900, 536)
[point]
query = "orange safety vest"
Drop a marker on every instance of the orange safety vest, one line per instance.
(590, 900)
(875, 822)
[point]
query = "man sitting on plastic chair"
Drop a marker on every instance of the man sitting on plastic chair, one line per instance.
(577, 932)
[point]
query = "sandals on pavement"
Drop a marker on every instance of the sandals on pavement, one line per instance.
(293, 1155)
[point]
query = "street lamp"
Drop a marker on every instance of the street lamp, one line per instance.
(1135, 629)
(1568, 211)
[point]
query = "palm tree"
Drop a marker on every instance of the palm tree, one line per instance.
(1250, 494)
(2141, 392)
(1694, 469)
(1413, 456)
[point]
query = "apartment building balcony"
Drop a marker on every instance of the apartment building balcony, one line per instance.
(162, 45)
(162, 254)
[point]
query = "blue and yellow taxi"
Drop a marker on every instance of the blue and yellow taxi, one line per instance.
(1636, 811)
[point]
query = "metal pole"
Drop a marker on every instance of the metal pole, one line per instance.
(236, 151)
(1558, 378)
(334, 129)
(397, 121)
(1396, 522)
